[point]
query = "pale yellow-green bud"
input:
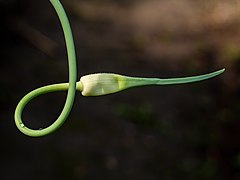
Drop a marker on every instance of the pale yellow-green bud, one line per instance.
(100, 84)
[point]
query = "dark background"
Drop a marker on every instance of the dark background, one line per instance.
(150, 133)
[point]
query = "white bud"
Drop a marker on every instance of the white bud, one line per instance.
(100, 84)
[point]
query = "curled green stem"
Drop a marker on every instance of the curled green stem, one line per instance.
(71, 87)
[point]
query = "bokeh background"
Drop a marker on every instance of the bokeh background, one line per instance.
(150, 133)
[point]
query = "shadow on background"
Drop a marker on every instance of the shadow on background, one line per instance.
(175, 132)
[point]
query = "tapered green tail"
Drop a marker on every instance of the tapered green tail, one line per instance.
(132, 82)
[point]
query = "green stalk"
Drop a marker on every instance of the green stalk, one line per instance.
(51, 88)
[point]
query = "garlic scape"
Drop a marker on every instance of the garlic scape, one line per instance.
(89, 85)
(107, 83)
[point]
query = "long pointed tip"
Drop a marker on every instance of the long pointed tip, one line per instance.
(213, 74)
(220, 71)
(191, 79)
(210, 75)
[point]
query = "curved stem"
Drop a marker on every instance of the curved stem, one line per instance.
(58, 87)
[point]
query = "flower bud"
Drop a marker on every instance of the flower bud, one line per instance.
(100, 84)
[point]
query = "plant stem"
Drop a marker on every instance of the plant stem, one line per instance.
(71, 87)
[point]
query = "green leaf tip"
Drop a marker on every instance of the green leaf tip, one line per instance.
(107, 83)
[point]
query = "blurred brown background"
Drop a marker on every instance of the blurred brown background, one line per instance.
(150, 133)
